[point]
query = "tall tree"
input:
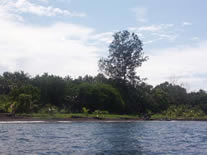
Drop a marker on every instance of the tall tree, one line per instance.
(10, 81)
(125, 55)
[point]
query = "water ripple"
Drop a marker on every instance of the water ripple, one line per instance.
(103, 138)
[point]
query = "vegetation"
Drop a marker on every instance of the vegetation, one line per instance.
(125, 55)
(78, 115)
(116, 93)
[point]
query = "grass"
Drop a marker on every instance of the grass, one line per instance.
(108, 116)
(173, 117)
(77, 115)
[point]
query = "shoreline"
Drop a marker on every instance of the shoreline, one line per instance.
(10, 118)
(6, 118)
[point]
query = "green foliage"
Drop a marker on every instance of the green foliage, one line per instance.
(51, 94)
(10, 81)
(176, 94)
(25, 99)
(137, 98)
(98, 112)
(183, 111)
(23, 104)
(199, 99)
(77, 115)
(71, 103)
(167, 94)
(100, 96)
(85, 110)
(48, 109)
(161, 100)
(26, 89)
(125, 55)
(5, 103)
(52, 89)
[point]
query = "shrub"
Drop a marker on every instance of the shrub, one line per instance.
(23, 104)
(100, 96)
(183, 111)
(97, 112)
(48, 108)
(85, 110)
(5, 103)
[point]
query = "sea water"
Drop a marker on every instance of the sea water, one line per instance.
(142, 137)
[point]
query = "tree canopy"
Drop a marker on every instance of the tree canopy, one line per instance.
(125, 55)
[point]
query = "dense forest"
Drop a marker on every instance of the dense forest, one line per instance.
(116, 89)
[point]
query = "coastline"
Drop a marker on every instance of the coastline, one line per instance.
(10, 118)
(27, 119)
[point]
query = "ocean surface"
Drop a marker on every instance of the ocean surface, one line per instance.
(127, 138)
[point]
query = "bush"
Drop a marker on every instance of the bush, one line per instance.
(48, 108)
(183, 111)
(85, 110)
(25, 99)
(100, 96)
(97, 112)
(5, 103)
(24, 104)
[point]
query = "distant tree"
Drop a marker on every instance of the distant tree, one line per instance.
(10, 81)
(5, 102)
(100, 97)
(68, 78)
(161, 98)
(137, 98)
(26, 89)
(125, 55)
(52, 89)
(71, 103)
(100, 78)
(25, 99)
(167, 94)
(88, 78)
(199, 99)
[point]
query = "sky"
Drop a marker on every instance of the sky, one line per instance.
(68, 37)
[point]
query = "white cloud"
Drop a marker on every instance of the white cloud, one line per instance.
(186, 24)
(61, 48)
(152, 28)
(151, 41)
(155, 32)
(38, 49)
(141, 14)
(44, 1)
(189, 63)
(106, 37)
(149, 28)
(64, 1)
(195, 38)
(170, 37)
(25, 6)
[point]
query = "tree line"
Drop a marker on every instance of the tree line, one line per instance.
(21, 93)
(116, 89)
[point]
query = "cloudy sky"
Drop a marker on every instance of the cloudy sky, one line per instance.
(67, 37)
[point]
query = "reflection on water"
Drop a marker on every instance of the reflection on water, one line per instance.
(104, 138)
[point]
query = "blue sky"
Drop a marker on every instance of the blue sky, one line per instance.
(67, 37)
